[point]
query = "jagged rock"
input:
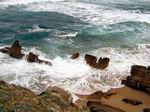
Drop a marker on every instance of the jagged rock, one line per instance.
(32, 57)
(92, 61)
(139, 79)
(131, 101)
(146, 110)
(15, 50)
(75, 55)
(98, 107)
(19, 99)
(102, 63)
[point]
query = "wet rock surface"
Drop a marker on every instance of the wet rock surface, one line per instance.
(131, 101)
(139, 79)
(75, 55)
(15, 50)
(102, 63)
(146, 110)
(98, 107)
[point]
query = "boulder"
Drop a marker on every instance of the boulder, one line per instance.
(75, 55)
(15, 50)
(4, 50)
(98, 107)
(102, 63)
(131, 101)
(146, 110)
(92, 61)
(137, 70)
(31, 57)
(139, 79)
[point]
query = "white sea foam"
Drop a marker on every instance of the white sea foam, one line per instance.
(36, 28)
(74, 75)
(91, 13)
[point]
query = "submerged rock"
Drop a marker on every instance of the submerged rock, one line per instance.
(92, 61)
(139, 79)
(75, 55)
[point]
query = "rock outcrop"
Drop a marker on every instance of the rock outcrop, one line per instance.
(139, 79)
(102, 63)
(19, 99)
(31, 57)
(15, 52)
(75, 55)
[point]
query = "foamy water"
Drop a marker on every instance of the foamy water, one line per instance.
(75, 75)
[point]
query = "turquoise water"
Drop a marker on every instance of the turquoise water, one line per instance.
(118, 29)
(53, 30)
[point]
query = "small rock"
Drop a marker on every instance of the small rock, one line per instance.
(92, 61)
(132, 101)
(75, 55)
(146, 110)
(32, 57)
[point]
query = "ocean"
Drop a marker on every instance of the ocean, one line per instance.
(54, 29)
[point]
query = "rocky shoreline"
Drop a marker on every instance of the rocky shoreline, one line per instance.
(134, 97)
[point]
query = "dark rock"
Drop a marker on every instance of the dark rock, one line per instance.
(15, 50)
(92, 61)
(75, 55)
(102, 63)
(139, 79)
(132, 101)
(4, 50)
(32, 57)
(138, 70)
(146, 110)
(98, 107)
(96, 95)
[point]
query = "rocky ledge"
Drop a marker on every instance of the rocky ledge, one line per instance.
(19, 99)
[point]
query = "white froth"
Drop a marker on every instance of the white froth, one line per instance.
(74, 75)
(91, 13)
